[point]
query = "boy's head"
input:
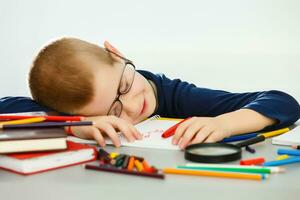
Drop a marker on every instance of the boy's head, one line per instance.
(76, 77)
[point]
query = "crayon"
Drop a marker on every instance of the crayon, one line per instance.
(119, 160)
(130, 163)
(138, 165)
(146, 167)
(112, 155)
(126, 161)
(103, 155)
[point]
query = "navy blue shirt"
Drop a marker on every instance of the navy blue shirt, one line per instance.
(180, 99)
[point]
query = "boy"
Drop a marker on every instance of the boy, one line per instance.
(76, 77)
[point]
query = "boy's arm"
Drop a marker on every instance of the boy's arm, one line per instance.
(244, 121)
(20, 104)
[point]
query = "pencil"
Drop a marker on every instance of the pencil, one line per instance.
(46, 125)
(275, 133)
(215, 174)
(22, 121)
(124, 171)
(233, 168)
(289, 160)
(48, 117)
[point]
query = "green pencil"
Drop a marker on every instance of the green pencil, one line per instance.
(232, 168)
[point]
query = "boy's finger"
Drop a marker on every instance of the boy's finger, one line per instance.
(128, 129)
(136, 133)
(180, 131)
(201, 136)
(213, 137)
(127, 132)
(98, 137)
(188, 135)
(112, 134)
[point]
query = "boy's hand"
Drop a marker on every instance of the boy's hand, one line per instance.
(107, 125)
(200, 129)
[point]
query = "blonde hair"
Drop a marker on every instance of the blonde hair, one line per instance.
(59, 79)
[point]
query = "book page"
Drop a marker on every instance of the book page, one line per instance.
(289, 138)
(151, 130)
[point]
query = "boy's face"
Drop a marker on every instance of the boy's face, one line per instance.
(138, 104)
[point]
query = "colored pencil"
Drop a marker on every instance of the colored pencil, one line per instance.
(290, 160)
(46, 125)
(282, 157)
(22, 121)
(48, 117)
(290, 152)
(124, 171)
(239, 137)
(234, 168)
(275, 133)
(215, 174)
(246, 136)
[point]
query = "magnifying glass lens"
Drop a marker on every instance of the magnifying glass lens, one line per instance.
(212, 151)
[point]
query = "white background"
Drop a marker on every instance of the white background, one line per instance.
(233, 45)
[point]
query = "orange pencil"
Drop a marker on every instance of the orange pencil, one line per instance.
(215, 174)
(131, 163)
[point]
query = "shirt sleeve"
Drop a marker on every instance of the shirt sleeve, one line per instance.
(20, 104)
(181, 99)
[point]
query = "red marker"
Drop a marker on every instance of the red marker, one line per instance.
(169, 132)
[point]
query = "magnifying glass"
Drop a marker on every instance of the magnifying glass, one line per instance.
(218, 152)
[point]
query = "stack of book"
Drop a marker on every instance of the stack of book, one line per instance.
(32, 144)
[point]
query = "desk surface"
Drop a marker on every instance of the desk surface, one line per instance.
(78, 183)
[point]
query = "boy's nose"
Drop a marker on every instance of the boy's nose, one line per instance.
(130, 105)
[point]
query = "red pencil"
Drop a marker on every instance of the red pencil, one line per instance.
(48, 118)
(169, 132)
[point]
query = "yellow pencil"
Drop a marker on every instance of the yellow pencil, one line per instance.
(282, 157)
(275, 133)
(23, 121)
(215, 174)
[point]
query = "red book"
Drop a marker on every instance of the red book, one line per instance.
(31, 163)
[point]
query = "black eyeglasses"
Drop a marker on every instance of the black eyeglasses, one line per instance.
(125, 85)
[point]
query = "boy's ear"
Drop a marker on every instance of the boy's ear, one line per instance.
(108, 46)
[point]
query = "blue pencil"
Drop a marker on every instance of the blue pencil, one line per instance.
(283, 162)
(239, 137)
(289, 152)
